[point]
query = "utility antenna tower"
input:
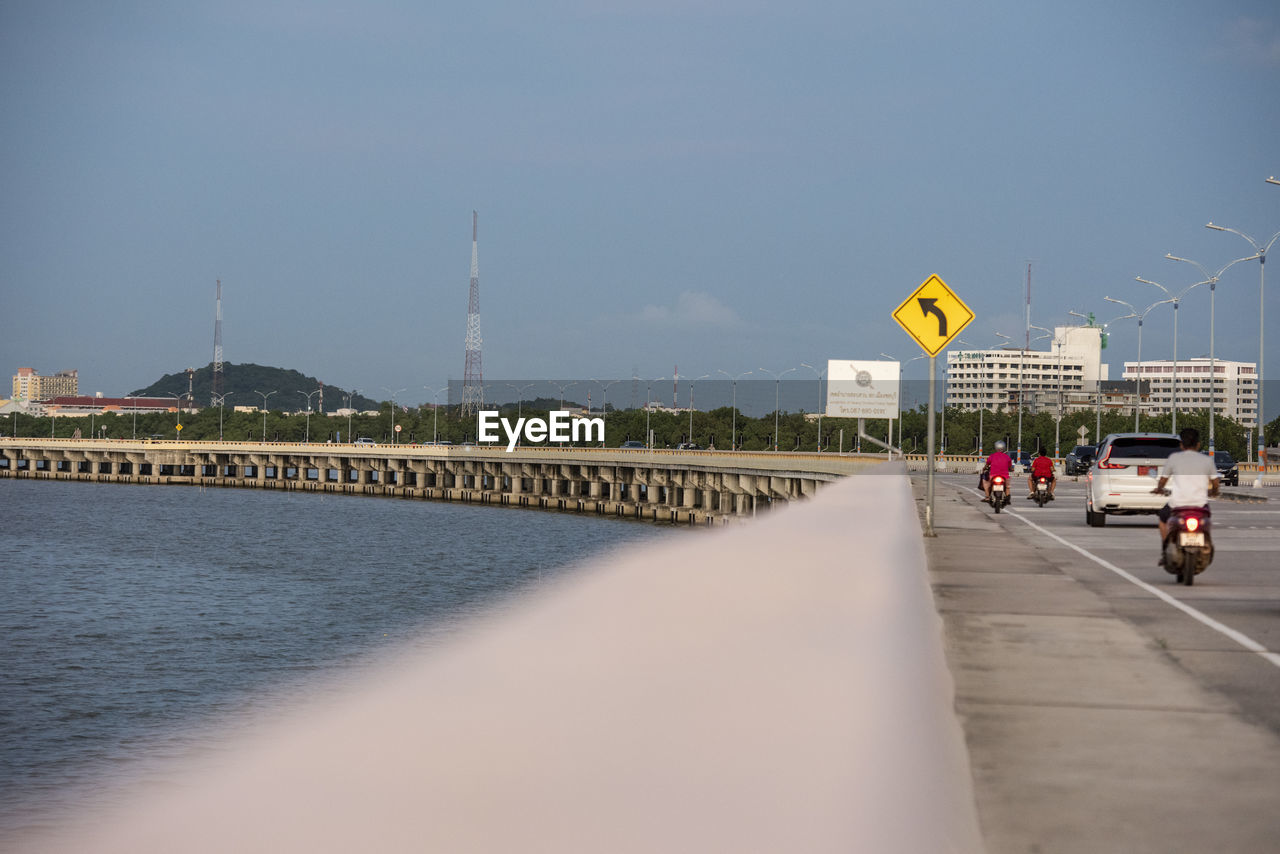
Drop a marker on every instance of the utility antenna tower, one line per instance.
(472, 375)
(217, 348)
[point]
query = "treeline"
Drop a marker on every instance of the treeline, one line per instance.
(721, 428)
(286, 389)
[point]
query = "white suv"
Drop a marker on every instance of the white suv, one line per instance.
(1125, 471)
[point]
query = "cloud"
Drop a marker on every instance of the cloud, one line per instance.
(692, 310)
(1251, 41)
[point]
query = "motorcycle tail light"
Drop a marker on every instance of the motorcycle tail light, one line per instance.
(997, 479)
(1193, 524)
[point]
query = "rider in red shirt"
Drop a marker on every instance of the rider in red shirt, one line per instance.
(1041, 466)
(998, 465)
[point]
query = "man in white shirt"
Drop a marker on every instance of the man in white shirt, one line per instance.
(1191, 476)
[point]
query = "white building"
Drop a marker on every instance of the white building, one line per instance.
(997, 379)
(1235, 387)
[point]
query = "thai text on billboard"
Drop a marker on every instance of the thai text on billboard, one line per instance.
(858, 389)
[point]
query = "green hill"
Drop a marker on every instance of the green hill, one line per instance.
(240, 382)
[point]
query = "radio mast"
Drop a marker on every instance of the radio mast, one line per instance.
(217, 348)
(473, 375)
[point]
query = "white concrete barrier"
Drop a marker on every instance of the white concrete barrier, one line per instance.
(778, 686)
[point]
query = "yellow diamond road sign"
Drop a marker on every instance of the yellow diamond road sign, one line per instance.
(933, 315)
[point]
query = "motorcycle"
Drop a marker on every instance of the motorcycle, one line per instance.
(999, 492)
(1042, 491)
(1188, 545)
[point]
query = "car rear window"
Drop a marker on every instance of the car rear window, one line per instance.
(1144, 447)
(1081, 450)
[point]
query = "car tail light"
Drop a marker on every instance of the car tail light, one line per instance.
(1103, 464)
(1193, 524)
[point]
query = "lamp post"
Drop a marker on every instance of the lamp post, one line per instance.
(307, 435)
(1057, 422)
(648, 397)
(562, 387)
(777, 392)
(220, 400)
(350, 395)
(902, 366)
(178, 398)
(435, 411)
(393, 410)
(733, 430)
(1212, 279)
(818, 374)
(1261, 251)
(519, 390)
(1137, 374)
(604, 403)
(691, 382)
(264, 412)
(1176, 300)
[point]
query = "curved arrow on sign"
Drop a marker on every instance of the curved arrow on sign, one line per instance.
(929, 305)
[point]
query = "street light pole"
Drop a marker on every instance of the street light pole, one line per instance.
(221, 399)
(1177, 301)
(1262, 289)
(393, 409)
(1137, 374)
(352, 393)
(648, 398)
(733, 430)
(307, 395)
(691, 382)
(264, 412)
(435, 411)
(1212, 279)
(604, 403)
(777, 392)
(818, 374)
(902, 367)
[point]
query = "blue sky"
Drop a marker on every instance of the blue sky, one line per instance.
(722, 186)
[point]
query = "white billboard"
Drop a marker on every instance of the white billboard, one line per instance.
(862, 389)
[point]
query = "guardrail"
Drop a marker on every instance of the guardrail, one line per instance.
(733, 691)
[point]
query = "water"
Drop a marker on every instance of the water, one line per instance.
(135, 620)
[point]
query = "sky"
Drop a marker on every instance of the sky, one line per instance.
(719, 186)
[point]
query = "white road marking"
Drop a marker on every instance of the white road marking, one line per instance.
(1223, 629)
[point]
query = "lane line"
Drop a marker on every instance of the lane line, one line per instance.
(1223, 629)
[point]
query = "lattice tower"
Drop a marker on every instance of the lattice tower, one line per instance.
(473, 375)
(217, 348)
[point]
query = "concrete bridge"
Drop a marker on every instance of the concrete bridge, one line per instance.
(694, 487)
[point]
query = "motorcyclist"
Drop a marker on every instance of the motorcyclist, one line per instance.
(1041, 466)
(998, 465)
(1192, 477)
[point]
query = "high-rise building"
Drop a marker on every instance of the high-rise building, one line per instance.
(1235, 387)
(997, 379)
(28, 385)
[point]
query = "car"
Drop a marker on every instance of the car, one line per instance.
(1079, 459)
(1227, 468)
(632, 443)
(688, 446)
(364, 440)
(1124, 474)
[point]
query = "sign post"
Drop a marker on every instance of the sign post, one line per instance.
(932, 316)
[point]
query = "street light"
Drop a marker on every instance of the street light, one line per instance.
(777, 391)
(733, 430)
(562, 387)
(220, 400)
(647, 407)
(902, 367)
(1057, 423)
(350, 394)
(393, 409)
(1262, 289)
(1137, 374)
(435, 411)
(264, 412)
(307, 435)
(691, 382)
(519, 390)
(1212, 279)
(178, 398)
(817, 374)
(604, 403)
(1176, 300)
(982, 401)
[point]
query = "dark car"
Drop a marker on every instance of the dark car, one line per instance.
(1227, 469)
(1078, 461)
(632, 443)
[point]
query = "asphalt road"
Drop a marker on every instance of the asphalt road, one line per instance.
(1224, 630)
